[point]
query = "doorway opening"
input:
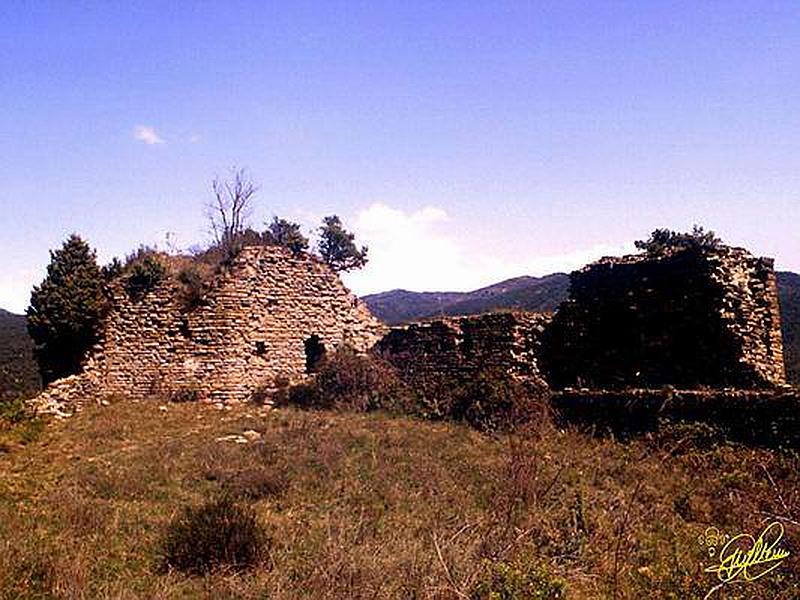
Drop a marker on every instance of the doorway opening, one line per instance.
(315, 352)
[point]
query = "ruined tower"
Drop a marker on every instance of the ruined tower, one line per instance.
(270, 315)
(688, 318)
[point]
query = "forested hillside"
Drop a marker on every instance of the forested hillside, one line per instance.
(18, 374)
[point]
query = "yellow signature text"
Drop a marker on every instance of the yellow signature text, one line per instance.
(745, 558)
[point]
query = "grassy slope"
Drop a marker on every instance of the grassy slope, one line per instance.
(378, 507)
(18, 374)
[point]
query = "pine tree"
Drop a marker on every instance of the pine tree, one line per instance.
(337, 246)
(286, 233)
(66, 309)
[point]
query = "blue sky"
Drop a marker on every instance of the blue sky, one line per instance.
(465, 142)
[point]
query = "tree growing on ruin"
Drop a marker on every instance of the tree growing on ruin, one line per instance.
(285, 233)
(665, 240)
(66, 310)
(337, 246)
(230, 210)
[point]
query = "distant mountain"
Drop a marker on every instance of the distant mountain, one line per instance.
(789, 292)
(520, 293)
(18, 372)
(545, 294)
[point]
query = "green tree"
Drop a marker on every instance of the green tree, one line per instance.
(337, 246)
(144, 275)
(66, 310)
(112, 270)
(286, 233)
(664, 240)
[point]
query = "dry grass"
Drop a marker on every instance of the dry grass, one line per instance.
(369, 506)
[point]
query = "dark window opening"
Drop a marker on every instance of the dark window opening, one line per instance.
(315, 352)
(261, 348)
(183, 328)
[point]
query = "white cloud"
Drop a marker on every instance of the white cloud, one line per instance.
(147, 134)
(409, 250)
(406, 250)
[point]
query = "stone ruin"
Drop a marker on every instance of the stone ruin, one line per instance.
(270, 316)
(463, 346)
(691, 319)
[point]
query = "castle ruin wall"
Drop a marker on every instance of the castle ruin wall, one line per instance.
(251, 329)
(690, 319)
(464, 346)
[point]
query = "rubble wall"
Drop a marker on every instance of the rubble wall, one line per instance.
(250, 328)
(458, 346)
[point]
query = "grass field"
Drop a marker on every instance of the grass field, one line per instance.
(372, 506)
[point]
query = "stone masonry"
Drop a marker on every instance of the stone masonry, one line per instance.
(691, 318)
(268, 316)
(465, 345)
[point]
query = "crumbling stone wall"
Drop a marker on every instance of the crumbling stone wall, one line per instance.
(465, 345)
(250, 328)
(690, 318)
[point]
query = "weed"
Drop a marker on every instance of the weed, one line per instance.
(218, 534)
(519, 580)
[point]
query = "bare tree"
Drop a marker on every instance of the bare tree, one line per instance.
(231, 208)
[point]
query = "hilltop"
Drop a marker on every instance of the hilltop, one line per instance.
(541, 294)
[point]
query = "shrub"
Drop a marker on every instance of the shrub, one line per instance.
(521, 580)
(350, 381)
(260, 394)
(255, 484)
(185, 394)
(489, 400)
(492, 401)
(193, 280)
(144, 276)
(218, 534)
(681, 437)
(15, 411)
(286, 233)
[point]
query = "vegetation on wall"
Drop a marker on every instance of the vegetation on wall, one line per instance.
(143, 276)
(664, 240)
(337, 246)
(288, 234)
